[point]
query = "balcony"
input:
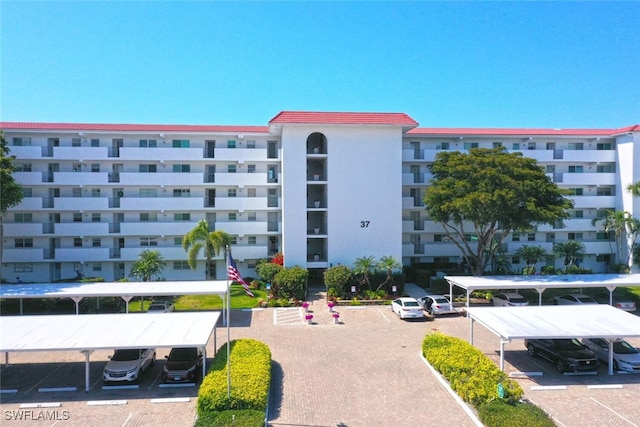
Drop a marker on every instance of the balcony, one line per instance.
(595, 202)
(161, 178)
(419, 155)
(158, 154)
(241, 179)
(28, 204)
(160, 203)
(80, 178)
(21, 229)
(245, 252)
(80, 153)
(241, 204)
(83, 254)
(412, 203)
(575, 224)
(416, 178)
(80, 203)
(28, 178)
(169, 228)
(586, 178)
(242, 228)
(81, 229)
(594, 156)
(26, 152)
(242, 155)
(22, 254)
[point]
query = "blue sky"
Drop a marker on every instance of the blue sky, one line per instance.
(446, 64)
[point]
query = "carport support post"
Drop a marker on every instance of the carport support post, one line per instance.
(610, 356)
(540, 291)
(87, 382)
(204, 362)
(126, 299)
(502, 343)
(470, 329)
(77, 301)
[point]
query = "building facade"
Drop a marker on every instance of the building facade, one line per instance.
(322, 188)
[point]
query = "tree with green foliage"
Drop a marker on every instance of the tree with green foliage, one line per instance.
(571, 251)
(634, 189)
(482, 196)
(337, 279)
(388, 265)
(531, 256)
(10, 191)
(363, 267)
(625, 229)
(291, 283)
(149, 263)
(210, 242)
(267, 271)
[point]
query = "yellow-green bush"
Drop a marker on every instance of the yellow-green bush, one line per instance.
(470, 373)
(250, 378)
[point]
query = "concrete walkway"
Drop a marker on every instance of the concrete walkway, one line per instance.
(365, 371)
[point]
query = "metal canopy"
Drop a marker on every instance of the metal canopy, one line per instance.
(552, 322)
(92, 332)
(113, 289)
(542, 282)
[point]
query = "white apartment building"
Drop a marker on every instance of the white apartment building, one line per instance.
(322, 188)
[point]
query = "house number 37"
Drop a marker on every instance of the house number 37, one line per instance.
(364, 224)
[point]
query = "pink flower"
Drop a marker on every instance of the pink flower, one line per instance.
(336, 315)
(331, 304)
(308, 317)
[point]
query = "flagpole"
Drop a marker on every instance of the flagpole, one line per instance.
(228, 253)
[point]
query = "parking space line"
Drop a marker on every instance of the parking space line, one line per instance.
(56, 389)
(383, 315)
(606, 407)
(120, 387)
(548, 387)
(8, 390)
(525, 374)
(106, 402)
(41, 405)
(176, 385)
(596, 386)
(171, 400)
(42, 380)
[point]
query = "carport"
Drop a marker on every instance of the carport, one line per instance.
(92, 332)
(126, 290)
(552, 322)
(542, 282)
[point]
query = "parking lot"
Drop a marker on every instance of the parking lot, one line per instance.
(365, 371)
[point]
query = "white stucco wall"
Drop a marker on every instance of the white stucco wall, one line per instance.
(364, 192)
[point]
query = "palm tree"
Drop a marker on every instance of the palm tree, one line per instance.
(211, 242)
(571, 250)
(148, 264)
(615, 222)
(634, 189)
(363, 267)
(531, 255)
(388, 264)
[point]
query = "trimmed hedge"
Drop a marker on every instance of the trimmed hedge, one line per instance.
(475, 378)
(250, 379)
(244, 418)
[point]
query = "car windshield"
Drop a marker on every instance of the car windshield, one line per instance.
(411, 304)
(442, 300)
(124, 355)
(623, 347)
(586, 300)
(568, 345)
(517, 299)
(156, 307)
(183, 354)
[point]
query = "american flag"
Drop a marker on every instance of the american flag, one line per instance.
(235, 276)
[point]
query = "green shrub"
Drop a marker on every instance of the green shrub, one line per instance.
(470, 373)
(498, 413)
(290, 282)
(439, 286)
(337, 279)
(246, 418)
(250, 378)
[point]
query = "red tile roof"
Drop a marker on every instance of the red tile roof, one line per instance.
(105, 127)
(510, 132)
(312, 117)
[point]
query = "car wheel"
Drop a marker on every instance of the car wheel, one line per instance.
(555, 302)
(615, 366)
(153, 360)
(531, 350)
(491, 303)
(560, 366)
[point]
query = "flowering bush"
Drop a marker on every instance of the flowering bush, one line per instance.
(308, 317)
(305, 304)
(331, 304)
(336, 315)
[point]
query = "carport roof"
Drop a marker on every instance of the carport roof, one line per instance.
(106, 331)
(115, 289)
(543, 281)
(567, 321)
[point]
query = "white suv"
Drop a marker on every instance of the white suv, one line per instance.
(129, 364)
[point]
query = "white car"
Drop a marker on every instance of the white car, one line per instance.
(508, 299)
(407, 307)
(574, 299)
(436, 304)
(128, 364)
(625, 356)
(160, 307)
